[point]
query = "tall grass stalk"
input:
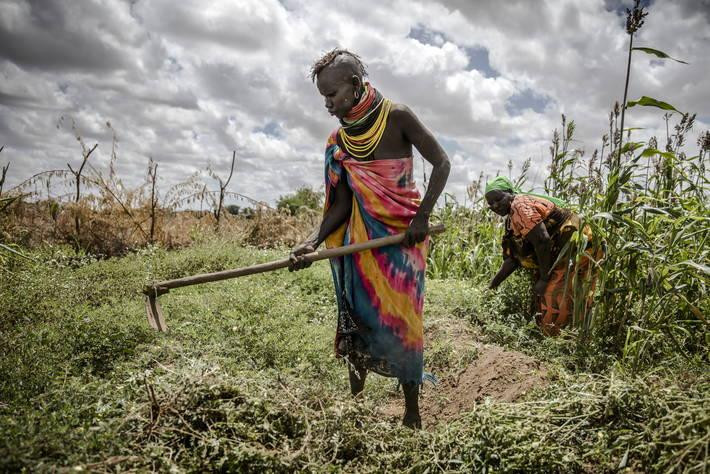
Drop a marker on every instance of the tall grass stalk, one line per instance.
(634, 21)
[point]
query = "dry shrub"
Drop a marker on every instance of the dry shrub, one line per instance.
(268, 229)
(29, 224)
(108, 230)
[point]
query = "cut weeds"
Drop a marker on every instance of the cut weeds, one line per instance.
(245, 379)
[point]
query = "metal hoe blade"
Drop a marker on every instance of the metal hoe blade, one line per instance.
(155, 313)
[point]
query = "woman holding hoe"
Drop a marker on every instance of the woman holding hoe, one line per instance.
(370, 193)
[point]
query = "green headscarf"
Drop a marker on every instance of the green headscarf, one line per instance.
(501, 183)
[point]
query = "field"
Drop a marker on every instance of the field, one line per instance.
(245, 378)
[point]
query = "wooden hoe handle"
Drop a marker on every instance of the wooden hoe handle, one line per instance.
(163, 287)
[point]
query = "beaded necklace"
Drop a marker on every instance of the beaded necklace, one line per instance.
(365, 125)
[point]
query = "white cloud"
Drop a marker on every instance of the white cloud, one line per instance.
(188, 82)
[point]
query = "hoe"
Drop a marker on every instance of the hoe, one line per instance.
(155, 313)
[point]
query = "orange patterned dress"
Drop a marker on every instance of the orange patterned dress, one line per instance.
(570, 280)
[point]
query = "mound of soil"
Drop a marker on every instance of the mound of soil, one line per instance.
(497, 373)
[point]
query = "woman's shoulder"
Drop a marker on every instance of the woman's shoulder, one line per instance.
(528, 211)
(332, 138)
(332, 149)
(331, 145)
(526, 202)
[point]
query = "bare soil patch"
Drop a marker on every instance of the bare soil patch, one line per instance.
(497, 373)
(494, 372)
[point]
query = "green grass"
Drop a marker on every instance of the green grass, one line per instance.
(245, 379)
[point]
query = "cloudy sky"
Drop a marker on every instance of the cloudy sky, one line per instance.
(187, 82)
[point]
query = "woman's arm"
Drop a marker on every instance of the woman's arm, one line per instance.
(336, 215)
(506, 269)
(542, 243)
(423, 140)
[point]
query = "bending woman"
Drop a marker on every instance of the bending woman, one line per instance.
(537, 227)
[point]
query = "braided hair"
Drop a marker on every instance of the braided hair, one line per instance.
(353, 60)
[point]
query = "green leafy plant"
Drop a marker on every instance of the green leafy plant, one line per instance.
(303, 198)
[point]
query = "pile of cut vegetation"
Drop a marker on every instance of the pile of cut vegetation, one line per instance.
(245, 379)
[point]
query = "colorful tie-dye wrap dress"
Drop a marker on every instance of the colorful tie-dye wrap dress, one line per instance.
(380, 292)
